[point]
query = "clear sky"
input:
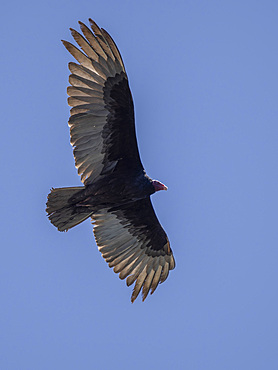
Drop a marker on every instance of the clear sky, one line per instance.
(204, 80)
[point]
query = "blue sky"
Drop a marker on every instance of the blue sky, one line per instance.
(204, 80)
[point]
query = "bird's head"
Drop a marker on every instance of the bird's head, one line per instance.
(158, 185)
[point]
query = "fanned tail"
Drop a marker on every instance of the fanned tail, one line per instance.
(61, 212)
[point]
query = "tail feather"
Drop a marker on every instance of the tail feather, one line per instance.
(61, 212)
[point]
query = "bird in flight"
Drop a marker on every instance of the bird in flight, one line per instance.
(116, 189)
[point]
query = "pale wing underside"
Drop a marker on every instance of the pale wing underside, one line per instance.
(129, 250)
(99, 60)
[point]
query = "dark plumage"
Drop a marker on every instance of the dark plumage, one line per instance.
(116, 191)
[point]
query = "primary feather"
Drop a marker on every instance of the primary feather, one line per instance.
(116, 191)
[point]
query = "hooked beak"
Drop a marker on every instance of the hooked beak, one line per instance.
(159, 186)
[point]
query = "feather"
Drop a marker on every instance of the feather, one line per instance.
(92, 40)
(113, 47)
(86, 73)
(84, 92)
(79, 81)
(77, 54)
(85, 46)
(138, 285)
(147, 285)
(101, 40)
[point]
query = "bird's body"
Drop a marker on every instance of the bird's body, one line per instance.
(116, 191)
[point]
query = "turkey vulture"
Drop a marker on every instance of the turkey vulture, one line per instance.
(116, 191)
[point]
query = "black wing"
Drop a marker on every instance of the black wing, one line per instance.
(132, 241)
(102, 125)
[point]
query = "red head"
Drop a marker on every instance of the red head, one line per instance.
(159, 186)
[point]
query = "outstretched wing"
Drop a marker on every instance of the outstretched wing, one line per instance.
(133, 242)
(102, 125)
